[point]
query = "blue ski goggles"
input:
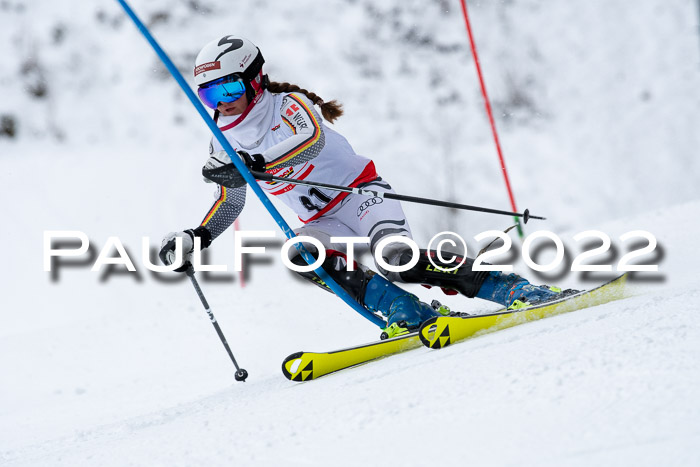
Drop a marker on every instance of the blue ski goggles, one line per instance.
(227, 89)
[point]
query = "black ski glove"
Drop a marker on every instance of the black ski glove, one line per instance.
(220, 170)
(255, 162)
(167, 248)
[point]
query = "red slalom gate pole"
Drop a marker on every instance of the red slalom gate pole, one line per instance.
(241, 274)
(489, 112)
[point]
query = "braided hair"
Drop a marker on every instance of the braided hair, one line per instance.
(330, 110)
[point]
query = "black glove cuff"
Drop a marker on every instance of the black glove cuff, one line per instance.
(204, 234)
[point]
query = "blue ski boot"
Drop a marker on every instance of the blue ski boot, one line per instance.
(403, 310)
(514, 292)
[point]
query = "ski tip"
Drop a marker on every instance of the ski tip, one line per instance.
(428, 333)
(297, 368)
(287, 364)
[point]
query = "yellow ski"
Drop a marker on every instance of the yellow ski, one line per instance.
(442, 331)
(305, 366)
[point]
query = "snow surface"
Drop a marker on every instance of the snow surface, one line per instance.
(598, 108)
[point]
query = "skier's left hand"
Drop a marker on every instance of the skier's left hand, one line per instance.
(167, 249)
(255, 162)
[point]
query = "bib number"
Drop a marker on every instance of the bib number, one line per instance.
(319, 202)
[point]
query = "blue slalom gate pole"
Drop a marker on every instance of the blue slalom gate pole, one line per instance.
(243, 169)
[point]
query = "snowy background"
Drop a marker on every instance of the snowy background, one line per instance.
(598, 107)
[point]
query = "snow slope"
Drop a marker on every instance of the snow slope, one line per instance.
(105, 378)
(599, 107)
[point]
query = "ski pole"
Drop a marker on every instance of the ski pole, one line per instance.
(412, 199)
(241, 374)
(226, 145)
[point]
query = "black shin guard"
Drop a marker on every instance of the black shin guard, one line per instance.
(462, 280)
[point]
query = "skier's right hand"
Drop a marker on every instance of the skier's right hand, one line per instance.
(221, 170)
(167, 249)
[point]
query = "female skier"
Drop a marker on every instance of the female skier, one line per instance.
(275, 128)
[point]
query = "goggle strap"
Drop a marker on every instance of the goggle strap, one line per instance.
(255, 66)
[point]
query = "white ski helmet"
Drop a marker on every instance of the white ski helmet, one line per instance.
(227, 56)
